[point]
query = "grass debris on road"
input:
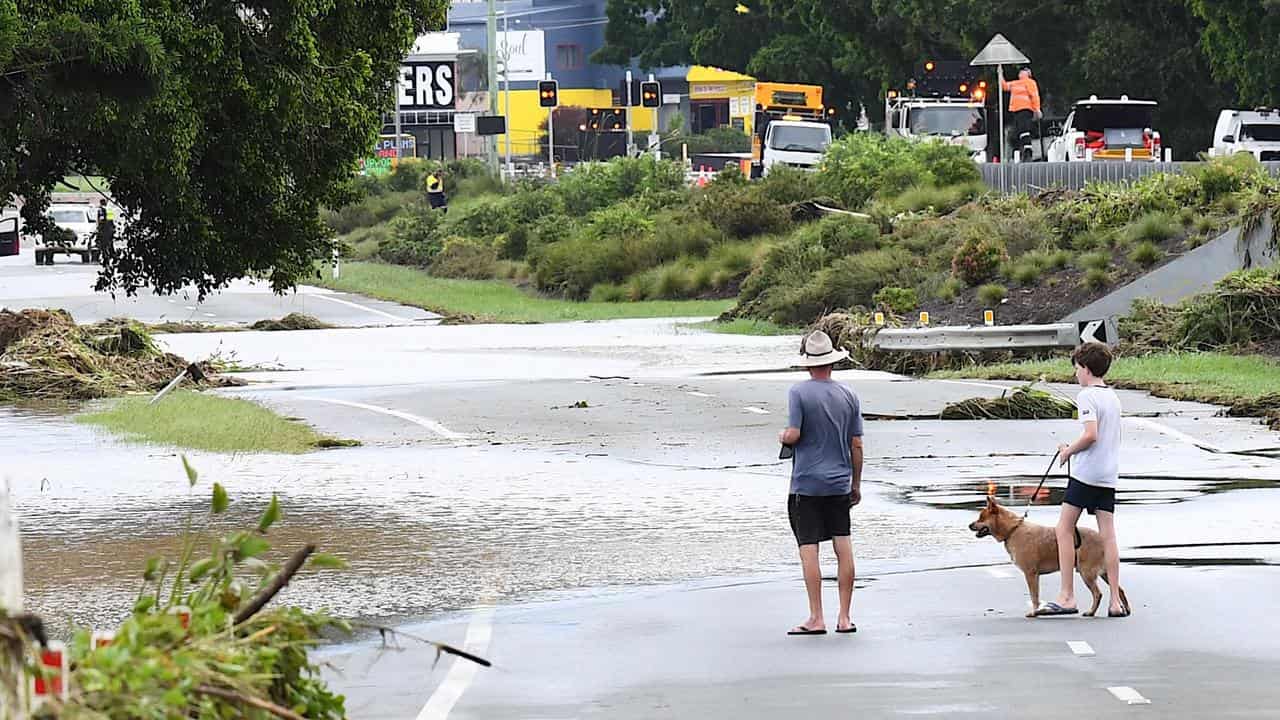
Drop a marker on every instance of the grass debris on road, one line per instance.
(207, 422)
(292, 321)
(1023, 403)
(497, 301)
(747, 326)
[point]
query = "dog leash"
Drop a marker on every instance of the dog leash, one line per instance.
(1031, 500)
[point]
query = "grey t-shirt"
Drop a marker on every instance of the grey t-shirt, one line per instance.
(828, 417)
(1099, 465)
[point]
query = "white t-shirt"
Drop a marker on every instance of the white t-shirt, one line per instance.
(1099, 464)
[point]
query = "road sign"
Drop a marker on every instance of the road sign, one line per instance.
(464, 122)
(670, 98)
(999, 51)
(1093, 331)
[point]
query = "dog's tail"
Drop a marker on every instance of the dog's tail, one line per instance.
(1124, 599)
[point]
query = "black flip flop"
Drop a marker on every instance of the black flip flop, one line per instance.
(1117, 614)
(1050, 609)
(806, 631)
(849, 630)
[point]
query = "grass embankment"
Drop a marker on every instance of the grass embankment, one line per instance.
(746, 326)
(207, 422)
(498, 301)
(1206, 377)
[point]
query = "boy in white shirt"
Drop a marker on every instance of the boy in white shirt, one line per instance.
(1095, 475)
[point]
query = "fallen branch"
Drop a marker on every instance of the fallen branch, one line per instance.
(282, 578)
(440, 647)
(254, 702)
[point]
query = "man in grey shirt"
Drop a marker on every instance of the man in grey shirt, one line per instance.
(824, 430)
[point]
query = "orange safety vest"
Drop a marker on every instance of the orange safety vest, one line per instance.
(1023, 95)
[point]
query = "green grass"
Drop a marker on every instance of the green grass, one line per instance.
(81, 185)
(1207, 377)
(746, 326)
(497, 301)
(206, 422)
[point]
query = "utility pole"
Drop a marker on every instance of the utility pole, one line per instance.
(506, 81)
(399, 80)
(630, 142)
(492, 44)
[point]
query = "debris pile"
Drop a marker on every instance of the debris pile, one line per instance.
(292, 321)
(1023, 403)
(45, 355)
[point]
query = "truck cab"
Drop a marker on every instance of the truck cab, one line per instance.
(954, 121)
(791, 127)
(1102, 129)
(795, 143)
(1251, 132)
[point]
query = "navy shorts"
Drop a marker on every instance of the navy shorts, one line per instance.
(817, 518)
(1090, 497)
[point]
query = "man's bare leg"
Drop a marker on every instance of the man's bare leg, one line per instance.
(1066, 533)
(813, 587)
(844, 579)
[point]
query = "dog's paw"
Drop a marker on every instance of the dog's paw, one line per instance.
(1031, 613)
(1088, 614)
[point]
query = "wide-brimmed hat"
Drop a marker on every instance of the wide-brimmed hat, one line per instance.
(816, 350)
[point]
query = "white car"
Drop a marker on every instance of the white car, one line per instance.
(1252, 132)
(76, 234)
(795, 143)
(1108, 129)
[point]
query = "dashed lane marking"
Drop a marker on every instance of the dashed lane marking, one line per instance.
(999, 572)
(1080, 648)
(1128, 695)
(699, 394)
(359, 307)
(756, 410)
(418, 420)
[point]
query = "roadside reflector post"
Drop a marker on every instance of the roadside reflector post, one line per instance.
(100, 639)
(924, 317)
(337, 262)
(1168, 154)
(13, 677)
(183, 614)
(879, 318)
(49, 681)
(988, 317)
(1128, 154)
(1088, 154)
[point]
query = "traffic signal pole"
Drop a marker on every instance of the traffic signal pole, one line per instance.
(655, 137)
(551, 139)
(630, 140)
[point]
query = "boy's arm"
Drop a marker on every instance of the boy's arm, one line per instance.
(1088, 415)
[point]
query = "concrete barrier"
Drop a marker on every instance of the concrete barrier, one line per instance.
(1193, 273)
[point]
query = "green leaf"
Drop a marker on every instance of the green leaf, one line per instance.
(271, 516)
(219, 498)
(154, 564)
(326, 561)
(144, 604)
(192, 475)
(251, 546)
(202, 568)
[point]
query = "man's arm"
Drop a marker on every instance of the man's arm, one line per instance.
(856, 448)
(790, 436)
(1035, 97)
(795, 418)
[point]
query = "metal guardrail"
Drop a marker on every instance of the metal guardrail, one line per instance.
(993, 337)
(1022, 178)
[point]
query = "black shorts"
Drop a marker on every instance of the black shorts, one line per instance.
(1090, 497)
(437, 200)
(817, 518)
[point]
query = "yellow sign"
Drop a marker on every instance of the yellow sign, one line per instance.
(924, 317)
(880, 319)
(988, 317)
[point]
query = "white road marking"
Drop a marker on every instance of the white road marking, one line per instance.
(461, 672)
(210, 315)
(1175, 434)
(192, 308)
(699, 394)
(1128, 695)
(756, 410)
(1000, 573)
(1080, 647)
(427, 423)
(359, 307)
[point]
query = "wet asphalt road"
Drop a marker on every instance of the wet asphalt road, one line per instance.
(603, 538)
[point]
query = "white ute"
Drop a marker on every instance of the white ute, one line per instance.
(75, 234)
(795, 143)
(1108, 129)
(955, 121)
(1249, 132)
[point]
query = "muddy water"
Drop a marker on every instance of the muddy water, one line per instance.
(435, 528)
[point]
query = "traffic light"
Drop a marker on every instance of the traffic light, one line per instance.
(605, 119)
(650, 94)
(548, 93)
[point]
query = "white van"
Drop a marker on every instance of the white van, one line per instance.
(1256, 132)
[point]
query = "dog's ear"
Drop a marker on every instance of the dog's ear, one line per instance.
(991, 501)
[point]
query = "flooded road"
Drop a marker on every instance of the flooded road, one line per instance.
(666, 475)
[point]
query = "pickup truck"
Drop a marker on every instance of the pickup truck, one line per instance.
(1100, 129)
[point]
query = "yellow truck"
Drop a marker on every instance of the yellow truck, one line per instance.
(791, 127)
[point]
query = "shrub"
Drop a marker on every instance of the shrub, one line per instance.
(992, 294)
(1058, 259)
(1024, 273)
(414, 238)
(950, 289)
(716, 140)
(1096, 279)
(1152, 228)
(1145, 254)
(465, 258)
(1187, 216)
(860, 166)
(899, 301)
(784, 266)
(939, 200)
(370, 211)
(978, 259)
(949, 164)
(608, 292)
(740, 211)
(679, 233)
(615, 243)
(407, 175)
(786, 185)
(641, 286)
(841, 235)
(1221, 177)
(529, 206)
(591, 186)
(1094, 261)
(672, 281)
(854, 280)
(733, 259)
(485, 218)
(1206, 225)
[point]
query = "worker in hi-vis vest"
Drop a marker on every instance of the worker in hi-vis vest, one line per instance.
(434, 183)
(1024, 104)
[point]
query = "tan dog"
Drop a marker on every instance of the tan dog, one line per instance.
(1034, 550)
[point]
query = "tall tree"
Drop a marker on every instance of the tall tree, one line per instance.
(222, 126)
(1242, 40)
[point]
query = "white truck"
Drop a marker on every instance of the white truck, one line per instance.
(1254, 132)
(958, 121)
(1100, 129)
(795, 143)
